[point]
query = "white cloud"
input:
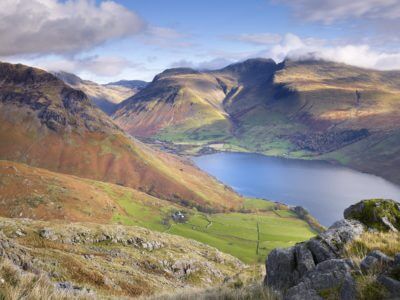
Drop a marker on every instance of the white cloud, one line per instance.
(364, 56)
(60, 27)
(165, 37)
(95, 66)
(213, 64)
(256, 38)
(330, 11)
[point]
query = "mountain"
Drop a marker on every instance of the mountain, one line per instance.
(48, 124)
(303, 109)
(132, 84)
(107, 96)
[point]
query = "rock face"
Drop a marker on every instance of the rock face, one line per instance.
(379, 214)
(316, 265)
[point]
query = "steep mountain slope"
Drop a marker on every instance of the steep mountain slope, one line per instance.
(107, 96)
(48, 124)
(309, 109)
(182, 100)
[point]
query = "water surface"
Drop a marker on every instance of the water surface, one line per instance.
(323, 189)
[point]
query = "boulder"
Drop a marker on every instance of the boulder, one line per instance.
(349, 289)
(334, 274)
(302, 291)
(329, 274)
(304, 259)
(378, 214)
(391, 284)
(315, 265)
(374, 260)
(281, 268)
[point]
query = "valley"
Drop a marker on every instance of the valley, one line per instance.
(35, 193)
(297, 109)
(199, 150)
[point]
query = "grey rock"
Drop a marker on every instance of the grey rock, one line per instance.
(396, 260)
(392, 285)
(373, 260)
(330, 244)
(281, 268)
(368, 263)
(329, 274)
(320, 250)
(302, 292)
(304, 259)
(47, 234)
(348, 290)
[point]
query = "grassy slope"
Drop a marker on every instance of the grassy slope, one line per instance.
(52, 196)
(110, 260)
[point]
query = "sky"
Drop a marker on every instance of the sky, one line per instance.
(106, 41)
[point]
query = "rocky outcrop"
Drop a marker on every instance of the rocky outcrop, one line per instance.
(316, 265)
(319, 268)
(378, 214)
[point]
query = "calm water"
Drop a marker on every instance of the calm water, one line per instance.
(323, 189)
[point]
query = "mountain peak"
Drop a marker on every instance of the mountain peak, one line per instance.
(132, 84)
(58, 106)
(68, 78)
(175, 71)
(21, 74)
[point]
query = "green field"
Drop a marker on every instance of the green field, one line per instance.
(249, 235)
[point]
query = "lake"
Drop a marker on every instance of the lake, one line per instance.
(325, 190)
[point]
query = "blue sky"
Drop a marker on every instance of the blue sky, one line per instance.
(110, 40)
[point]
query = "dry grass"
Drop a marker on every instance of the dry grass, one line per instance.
(387, 242)
(254, 291)
(369, 289)
(17, 284)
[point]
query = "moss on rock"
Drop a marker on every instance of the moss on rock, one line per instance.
(379, 214)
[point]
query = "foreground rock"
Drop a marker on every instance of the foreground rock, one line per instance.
(319, 269)
(315, 265)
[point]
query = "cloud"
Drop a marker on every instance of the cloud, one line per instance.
(294, 47)
(165, 37)
(99, 66)
(330, 11)
(213, 64)
(62, 27)
(256, 38)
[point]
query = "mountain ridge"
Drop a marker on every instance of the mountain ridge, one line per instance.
(303, 109)
(105, 96)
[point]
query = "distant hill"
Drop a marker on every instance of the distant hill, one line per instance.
(107, 96)
(132, 84)
(307, 109)
(46, 123)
